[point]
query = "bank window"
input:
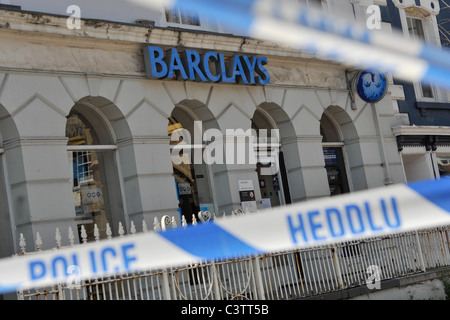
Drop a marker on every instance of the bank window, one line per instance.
(193, 182)
(179, 16)
(416, 31)
(94, 178)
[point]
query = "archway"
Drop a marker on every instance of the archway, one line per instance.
(272, 125)
(335, 166)
(92, 153)
(194, 178)
(268, 161)
(342, 151)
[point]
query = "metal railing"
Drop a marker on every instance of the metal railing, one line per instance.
(277, 276)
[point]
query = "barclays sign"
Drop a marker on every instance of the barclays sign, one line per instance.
(207, 67)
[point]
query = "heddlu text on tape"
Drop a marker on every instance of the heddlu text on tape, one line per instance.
(362, 214)
(333, 222)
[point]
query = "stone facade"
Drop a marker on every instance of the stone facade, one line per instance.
(47, 71)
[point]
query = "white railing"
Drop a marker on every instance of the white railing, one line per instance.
(277, 276)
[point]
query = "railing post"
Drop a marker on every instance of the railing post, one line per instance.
(337, 267)
(165, 285)
(258, 278)
(61, 292)
(215, 277)
(22, 245)
(419, 249)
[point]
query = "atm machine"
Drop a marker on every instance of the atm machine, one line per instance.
(334, 164)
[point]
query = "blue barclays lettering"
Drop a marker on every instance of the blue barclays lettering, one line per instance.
(176, 68)
(264, 76)
(192, 66)
(237, 70)
(192, 60)
(251, 68)
(154, 61)
(351, 219)
(109, 258)
(223, 69)
(205, 66)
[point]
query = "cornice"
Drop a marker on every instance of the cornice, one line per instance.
(43, 27)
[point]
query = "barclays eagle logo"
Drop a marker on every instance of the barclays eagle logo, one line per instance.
(371, 85)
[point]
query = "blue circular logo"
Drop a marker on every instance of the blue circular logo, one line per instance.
(371, 85)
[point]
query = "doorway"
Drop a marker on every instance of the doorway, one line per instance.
(191, 176)
(333, 154)
(270, 167)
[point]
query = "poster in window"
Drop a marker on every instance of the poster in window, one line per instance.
(90, 195)
(330, 156)
(247, 195)
(184, 189)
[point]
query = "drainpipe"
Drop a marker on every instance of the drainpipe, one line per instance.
(384, 159)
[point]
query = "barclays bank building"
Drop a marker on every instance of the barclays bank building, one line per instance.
(140, 113)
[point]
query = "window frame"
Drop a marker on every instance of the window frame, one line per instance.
(167, 23)
(429, 28)
(420, 86)
(102, 144)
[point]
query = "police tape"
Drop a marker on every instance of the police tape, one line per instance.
(392, 209)
(328, 37)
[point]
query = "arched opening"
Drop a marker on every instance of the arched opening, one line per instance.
(271, 125)
(268, 162)
(192, 176)
(95, 184)
(332, 145)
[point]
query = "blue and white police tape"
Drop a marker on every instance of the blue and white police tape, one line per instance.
(392, 209)
(329, 38)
